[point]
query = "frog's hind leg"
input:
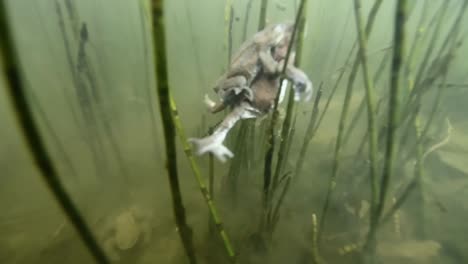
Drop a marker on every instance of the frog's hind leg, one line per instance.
(214, 142)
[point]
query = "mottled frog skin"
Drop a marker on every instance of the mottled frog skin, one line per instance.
(250, 86)
(253, 57)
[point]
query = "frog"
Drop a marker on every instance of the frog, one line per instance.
(260, 101)
(256, 56)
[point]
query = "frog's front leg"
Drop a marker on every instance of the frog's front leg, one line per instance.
(301, 84)
(214, 142)
(270, 65)
(232, 90)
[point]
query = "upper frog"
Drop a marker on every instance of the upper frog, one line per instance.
(253, 57)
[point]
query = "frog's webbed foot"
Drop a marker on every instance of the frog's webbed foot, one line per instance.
(214, 142)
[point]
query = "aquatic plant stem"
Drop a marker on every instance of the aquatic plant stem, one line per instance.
(16, 89)
(371, 125)
(286, 126)
(196, 171)
(309, 134)
(317, 259)
(271, 128)
(246, 20)
(393, 115)
(371, 113)
(228, 19)
(342, 122)
(159, 39)
(262, 16)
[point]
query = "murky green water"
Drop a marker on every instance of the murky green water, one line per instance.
(104, 133)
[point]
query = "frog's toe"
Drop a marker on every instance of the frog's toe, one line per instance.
(213, 145)
(208, 102)
(222, 153)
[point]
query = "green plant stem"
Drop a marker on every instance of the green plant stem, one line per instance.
(274, 119)
(362, 104)
(228, 19)
(246, 20)
(435, 35)
(159, 38)
(262, 16)
(286, 126)
(393, 110)
(201, 183)
(371, 125)
(317, 259)
(42, 160)
(309, 134)
(275, 212)
(341, 125)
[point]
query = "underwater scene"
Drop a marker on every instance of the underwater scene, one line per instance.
(235, 131)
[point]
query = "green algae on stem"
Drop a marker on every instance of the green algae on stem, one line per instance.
(48, 172)
(159, 42)
(201, 184)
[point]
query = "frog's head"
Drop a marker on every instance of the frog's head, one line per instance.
(281, 32)
(274, 34)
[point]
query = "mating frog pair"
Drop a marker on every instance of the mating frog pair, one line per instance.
(251, 83)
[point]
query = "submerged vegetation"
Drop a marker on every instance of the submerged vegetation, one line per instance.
(315, 182)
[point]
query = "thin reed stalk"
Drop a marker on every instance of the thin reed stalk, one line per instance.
(246, 20)
(422, 66)
(275, 212)
(16, 89)
(362, 104)
(159, 42)
(201, 183)
(274, 120)
(370, 23)
(371, 107)
(195, 45)
(286, 126)
(262, 16)
(228, 19)
(309, 134)
(53, 135)
(145, 25)
(316, 258)
(418, 171)
(447, 59)
(393, 116)
(342, 122)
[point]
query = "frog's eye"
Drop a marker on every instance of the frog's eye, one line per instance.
(272, 50)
